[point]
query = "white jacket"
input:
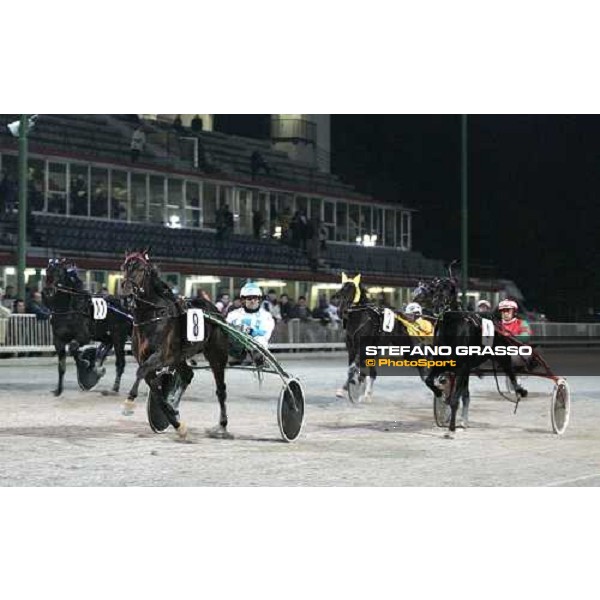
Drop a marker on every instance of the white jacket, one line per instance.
(260, 324)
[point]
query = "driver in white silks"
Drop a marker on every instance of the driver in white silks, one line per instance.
(254, 320)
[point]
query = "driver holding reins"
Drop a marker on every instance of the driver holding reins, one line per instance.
(414, 313)
(251, 318)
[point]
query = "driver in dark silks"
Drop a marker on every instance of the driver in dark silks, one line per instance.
(253, 320)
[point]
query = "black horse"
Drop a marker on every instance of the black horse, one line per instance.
(453, 328)
(73, 324)
(362, 318)
(160, 345)
(458, 328)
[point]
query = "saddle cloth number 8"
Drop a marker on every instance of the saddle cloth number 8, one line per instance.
(195, 325)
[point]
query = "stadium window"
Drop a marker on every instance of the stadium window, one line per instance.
(329, 218)
(79, 190)
(365, 220)
(157, 199)
(406, 231)
(315, 208)
(209, 205)
(193, 208)
(377, 228)
(389, 225)
(174, 216)
(139, 197)
(57, 188)
(119, 195)
(353, 221)
(99, 193)
(302, 204)
(243, 212)
(36, 177)
(341, 217)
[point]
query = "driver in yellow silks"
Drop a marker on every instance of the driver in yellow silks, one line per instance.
(420, 327)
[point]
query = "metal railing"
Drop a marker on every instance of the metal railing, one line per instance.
(26, 333)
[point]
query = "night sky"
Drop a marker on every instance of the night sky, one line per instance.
(534, 190)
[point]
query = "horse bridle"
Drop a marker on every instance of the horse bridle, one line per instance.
(140, 289)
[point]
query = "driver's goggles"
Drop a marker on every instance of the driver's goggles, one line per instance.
(251, 298)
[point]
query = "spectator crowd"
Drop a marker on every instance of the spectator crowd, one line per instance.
(284, 308)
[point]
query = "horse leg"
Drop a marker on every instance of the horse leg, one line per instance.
(466, 399)
(217, 359)
(119, 363)
(460, 382)
(62, 366)
(153, 362)
(370, 382)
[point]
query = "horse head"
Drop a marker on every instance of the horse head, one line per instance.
(56, 276)
(137, 270)
(352, 292)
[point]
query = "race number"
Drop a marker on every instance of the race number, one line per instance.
(195, 325)
(100, 309)
(487, 332)
(389, 320)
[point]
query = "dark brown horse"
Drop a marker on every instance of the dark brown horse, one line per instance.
(160, 344)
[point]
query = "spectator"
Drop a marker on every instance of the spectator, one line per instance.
(237, 303)
(138, 143)
(257, 162)
(177, 124)
(270, 304)
(223, 303)
(196, 124)
(332, 311)
(320, 311)
(313, 250)
(301, 310)
(37, 308)
(257, 223)
(19, 307)
(286, 308)
(9, 293)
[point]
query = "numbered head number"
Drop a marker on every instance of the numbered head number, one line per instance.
(487, 332)
(100, 309)
(389, 320)
(195, 325)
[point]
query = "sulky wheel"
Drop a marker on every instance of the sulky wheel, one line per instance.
(290, 410)
(560, 408)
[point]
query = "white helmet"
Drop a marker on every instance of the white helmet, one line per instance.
(414, 308)
(250, 289)
(507, 304)
(484, 303)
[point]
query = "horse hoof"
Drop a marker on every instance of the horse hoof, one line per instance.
(219, 433)
(182, 431)
(366, 399)
(340, 393)
(128, 408)
(523, 393)
(464, 423)
(57, 392)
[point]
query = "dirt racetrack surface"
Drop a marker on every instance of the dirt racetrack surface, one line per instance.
(82, 439)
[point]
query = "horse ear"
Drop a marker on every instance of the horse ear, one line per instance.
(357, 279)
(344, 278)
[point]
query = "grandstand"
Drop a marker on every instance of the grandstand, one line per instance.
(90, 202)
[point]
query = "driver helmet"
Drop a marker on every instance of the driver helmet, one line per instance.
(251, 296)
(484, 304)
(508, 304)
(414, 308)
